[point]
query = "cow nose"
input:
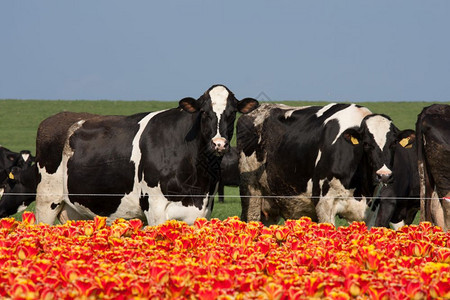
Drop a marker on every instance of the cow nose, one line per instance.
(219, 144)
(384, 178)
(384, 175)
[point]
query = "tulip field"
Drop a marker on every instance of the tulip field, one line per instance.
(215, 259)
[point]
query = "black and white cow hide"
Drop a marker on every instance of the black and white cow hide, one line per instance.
(433, 150)
(153, 166)
(312, 161)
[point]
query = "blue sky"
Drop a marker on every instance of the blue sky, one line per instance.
(327, 50)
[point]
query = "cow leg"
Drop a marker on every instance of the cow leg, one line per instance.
(221, 191)
(49, 196)
(68, 213)
(437, 212)
(412, 211)
(445, 203)
(251, 203)
(157, 209)
(326, 210)
(385, 212)
(270, 213)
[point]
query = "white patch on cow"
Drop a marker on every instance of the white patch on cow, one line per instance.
(398, 225)
(129, 208)
(49, 191)
(2, 190)
(384, 170)
(25, 156)
(52, 192)
(219, 96)
(22, 207)
(136, 151)
(250, 163)
(161, 209)
(347, 118)
(291, 110)
(188, 214)
(263, 111)
(379, 127)
(340, 200)
(260, 114)
(288, 113)
(324, 109)
(82, 212)
(319, 155)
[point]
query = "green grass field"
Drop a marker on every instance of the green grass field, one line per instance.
(19, 120)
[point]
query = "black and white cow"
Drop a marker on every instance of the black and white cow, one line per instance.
(153, 166)
(15, 194)
(312, 161)
(20, 190)
(399, 201)
(433, 150)
(229, 171)
(10, 159)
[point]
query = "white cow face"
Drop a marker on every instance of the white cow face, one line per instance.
(217, 109)
(380, 138)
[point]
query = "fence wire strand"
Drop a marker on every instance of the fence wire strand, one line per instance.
(226, 196)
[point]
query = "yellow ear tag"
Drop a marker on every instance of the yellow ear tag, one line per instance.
(404, 142)
(11, 176)
(354, 140)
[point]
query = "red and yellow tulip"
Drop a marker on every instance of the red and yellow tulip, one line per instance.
(216, 259)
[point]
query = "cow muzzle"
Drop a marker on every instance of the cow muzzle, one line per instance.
(220, 145)
(384, 175)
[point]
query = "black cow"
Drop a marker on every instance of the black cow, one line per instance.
(229, 171)
(9, 159)
(312, 161)
(15, 194)
(433, 150)
(153, 166)
(20, 190)
(399, 201)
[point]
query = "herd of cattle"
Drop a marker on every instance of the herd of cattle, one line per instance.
(339, 159)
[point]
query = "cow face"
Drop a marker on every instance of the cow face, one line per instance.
(217, 108)
(380, 137)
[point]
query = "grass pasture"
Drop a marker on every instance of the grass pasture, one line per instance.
(19, 120)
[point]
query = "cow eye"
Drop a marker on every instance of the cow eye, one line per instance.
(367, 146)
(205, 115)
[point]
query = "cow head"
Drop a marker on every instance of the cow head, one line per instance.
(380, 137)
(217, 109)
(9, 159)
(20, 190)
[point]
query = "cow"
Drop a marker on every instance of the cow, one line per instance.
(312, 161)
(10, 159)
(20, 190)
(17, 192)
(154, 166)
(229, 171)
(399, 201)
(433, 150)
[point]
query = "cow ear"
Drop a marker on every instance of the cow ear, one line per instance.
(406, 138)
(189, 104)
(11, 157)
(352, 136)
(247, 105)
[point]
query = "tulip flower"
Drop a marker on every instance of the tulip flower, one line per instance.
(216, 259)
(28, 217)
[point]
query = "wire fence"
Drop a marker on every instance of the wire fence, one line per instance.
(226, 196)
